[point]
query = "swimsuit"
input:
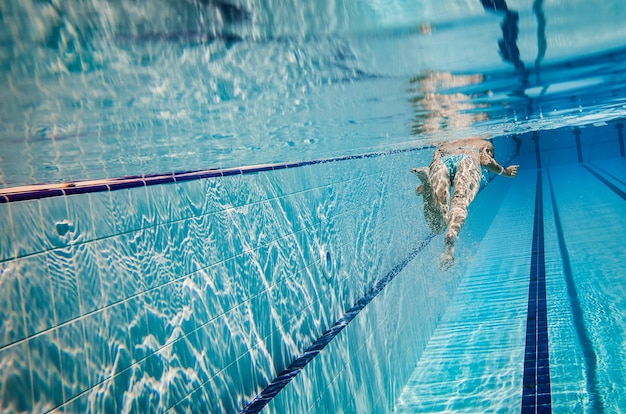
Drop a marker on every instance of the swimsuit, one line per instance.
(451, 161)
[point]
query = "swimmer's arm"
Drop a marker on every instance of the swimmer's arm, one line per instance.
(490, 164)
(510, 171)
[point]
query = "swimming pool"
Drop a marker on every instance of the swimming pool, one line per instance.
(207, 207)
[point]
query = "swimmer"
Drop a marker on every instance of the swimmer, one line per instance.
(455, 164)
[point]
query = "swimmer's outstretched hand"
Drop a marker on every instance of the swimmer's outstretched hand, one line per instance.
(511, 170)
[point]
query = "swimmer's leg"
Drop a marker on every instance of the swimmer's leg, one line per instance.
(466, 186)
(432, 213)
(439, 179)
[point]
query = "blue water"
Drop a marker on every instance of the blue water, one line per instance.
(477, 350)
(199, 196)
(106, 90)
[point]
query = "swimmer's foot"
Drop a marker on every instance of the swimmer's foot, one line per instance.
(422, 173)
(446, 260)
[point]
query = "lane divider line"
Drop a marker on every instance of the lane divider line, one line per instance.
(281, 381)
(536, 393)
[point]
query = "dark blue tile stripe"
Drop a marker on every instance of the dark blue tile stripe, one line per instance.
(608, 175)
(261, 400)
(536, 396)
(606, 182)
(8, 195)
(579, 148)
(620, 138)
(537, 149)
(589, 354)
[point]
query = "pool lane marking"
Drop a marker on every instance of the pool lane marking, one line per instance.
(608, 174)
(620, 137)
(536, 392)
(537, 149)
(586, 344)
(579, 149)
(281, 381)
(606, 182)
(39, 191)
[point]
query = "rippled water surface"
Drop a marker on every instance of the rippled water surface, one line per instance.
(104, 89)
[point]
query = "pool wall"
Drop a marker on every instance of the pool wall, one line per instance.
(198, 293)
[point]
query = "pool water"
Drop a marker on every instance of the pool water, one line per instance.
(208, 207)
(480, 347)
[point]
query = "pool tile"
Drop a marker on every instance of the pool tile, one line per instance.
(62, 274)
(228, 388)
(80, 217)
(229, 289)
(119, 387)
(11, 308)
(27, 228)
(74, 366)
(6, 233)
(228, 228)
(16, 388)
(109, 263)
(107, 343)
(217, 196)
(192, 198)
(130, 210)
(139, 332)
(102, 214)
(85, 403)
(128, 248)
(160, 204)
(248, 376)
(286, 181)
(148, 372)
(218, 337)
(183, 367)
(196, 401)
(202, 296)
(47, 377)
(90, 289)
(260, 308)
(165, 312)
(37, 293)
(59, 230)
(181, 246)
(164, 199)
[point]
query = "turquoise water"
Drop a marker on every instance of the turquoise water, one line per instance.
(477, 350)
(198, 197)
(104, 90)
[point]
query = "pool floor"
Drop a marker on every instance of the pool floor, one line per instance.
(475, 359)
